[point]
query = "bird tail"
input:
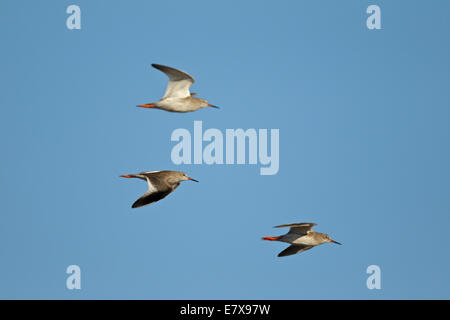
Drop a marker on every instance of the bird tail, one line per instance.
(272, 238)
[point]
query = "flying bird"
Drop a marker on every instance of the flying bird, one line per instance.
(301, 237)
(177, 98)
(160, 184)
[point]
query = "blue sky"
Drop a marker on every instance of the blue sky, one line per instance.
(363, 119)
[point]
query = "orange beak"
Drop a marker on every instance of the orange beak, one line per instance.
(125, 176)
(210, 105)
(192, 179)
(149, 105)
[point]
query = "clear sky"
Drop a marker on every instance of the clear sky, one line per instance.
(364, 149)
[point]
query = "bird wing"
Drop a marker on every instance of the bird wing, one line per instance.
(298, 228)
(149, 197)
(179, 82)
(156, 191)
(293, 249)
(146, 172)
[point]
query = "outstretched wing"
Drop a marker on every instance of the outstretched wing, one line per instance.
(298, 228)
(293, 249)
(156, 190)
(179, 82)
(149, 197)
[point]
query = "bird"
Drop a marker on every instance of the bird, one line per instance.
(178, 98)
(160, 184)
(301, 237)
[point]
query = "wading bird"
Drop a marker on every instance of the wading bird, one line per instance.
(301, 237)
(177, 97)
(160, 184)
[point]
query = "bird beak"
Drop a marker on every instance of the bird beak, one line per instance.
(192, 179)
(126, 176)
(210, 105)
(335, 242)
(148, 105)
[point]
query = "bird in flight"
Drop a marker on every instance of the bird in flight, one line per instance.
(160, 184)
(177, 98)
(301, 237)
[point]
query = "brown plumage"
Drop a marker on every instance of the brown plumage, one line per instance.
(177, 97)
(301, 237)
(160, 184)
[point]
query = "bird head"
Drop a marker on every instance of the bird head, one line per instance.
(204, 104)
(181, 176)
(328, 239)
